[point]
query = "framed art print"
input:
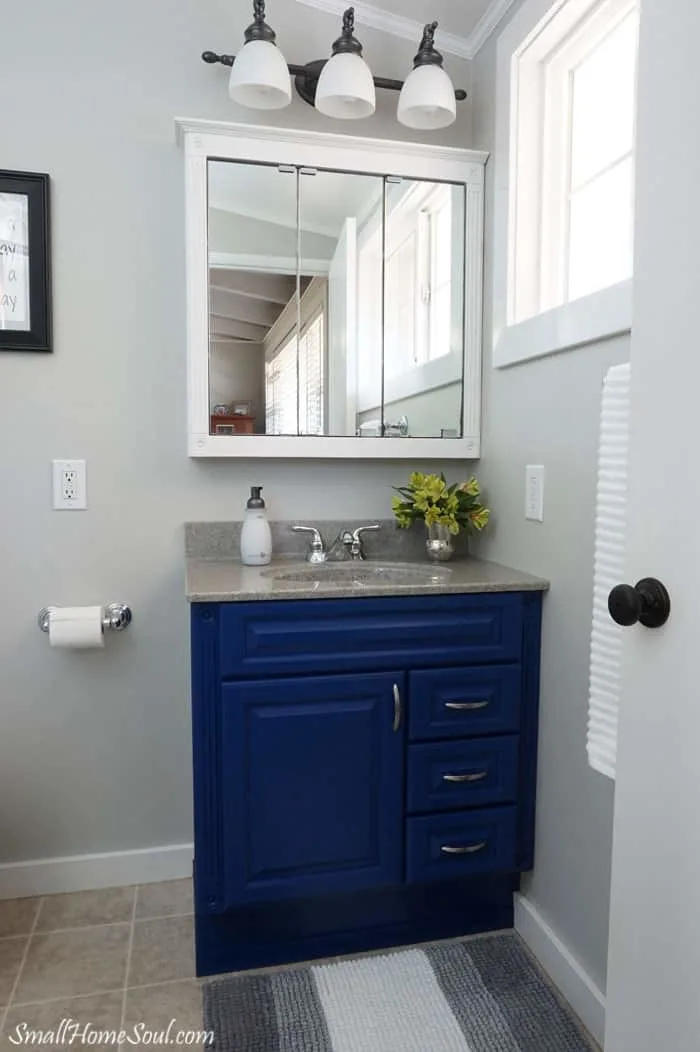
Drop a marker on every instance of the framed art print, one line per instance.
(25, 280)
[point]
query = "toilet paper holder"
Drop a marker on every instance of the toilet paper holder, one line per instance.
(115, 617)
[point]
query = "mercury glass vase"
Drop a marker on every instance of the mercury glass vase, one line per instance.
(438, 543)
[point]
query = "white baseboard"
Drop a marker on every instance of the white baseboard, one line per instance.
(567, 974)
(49, 876)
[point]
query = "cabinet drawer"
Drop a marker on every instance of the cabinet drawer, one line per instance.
(458, 702)
(442, 846)
(329, 635)
(443, 776)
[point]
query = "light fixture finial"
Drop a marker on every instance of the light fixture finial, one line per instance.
(428, 55)
(259, 29)
(347, 43)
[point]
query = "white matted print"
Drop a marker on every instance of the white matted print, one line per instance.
(15, 307)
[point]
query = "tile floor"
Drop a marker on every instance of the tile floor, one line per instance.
(110, 958)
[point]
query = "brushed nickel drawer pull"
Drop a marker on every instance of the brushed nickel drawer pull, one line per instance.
(397, 707)
(467, 706)
(467, 849)
(477, 776)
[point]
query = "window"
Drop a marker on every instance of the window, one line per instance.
(294, 374)
(419, 267)
(571, 99)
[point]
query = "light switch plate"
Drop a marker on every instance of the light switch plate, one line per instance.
(534, 492)
(69, 485)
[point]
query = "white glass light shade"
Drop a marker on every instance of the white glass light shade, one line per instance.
(260, 78)
(427, 99)
(345, 88)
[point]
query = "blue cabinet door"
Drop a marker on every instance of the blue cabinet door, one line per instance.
(312, 785)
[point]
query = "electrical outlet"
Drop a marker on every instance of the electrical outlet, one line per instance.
(534, 492)
(69, 485)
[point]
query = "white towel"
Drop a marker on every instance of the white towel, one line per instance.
(609, 570)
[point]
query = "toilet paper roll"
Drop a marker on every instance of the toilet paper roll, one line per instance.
(76, 627)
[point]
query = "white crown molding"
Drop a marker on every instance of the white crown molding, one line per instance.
(410, 29)
(489, 21)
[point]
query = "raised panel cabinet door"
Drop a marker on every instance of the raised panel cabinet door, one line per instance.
(312, 785)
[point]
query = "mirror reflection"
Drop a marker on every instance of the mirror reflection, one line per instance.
(336, 303)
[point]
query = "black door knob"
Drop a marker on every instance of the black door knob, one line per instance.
(648, 602)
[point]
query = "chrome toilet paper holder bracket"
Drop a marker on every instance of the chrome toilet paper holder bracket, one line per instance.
(115, 617)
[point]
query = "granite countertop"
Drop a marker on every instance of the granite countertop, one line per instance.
(225, 580)
(215, 574)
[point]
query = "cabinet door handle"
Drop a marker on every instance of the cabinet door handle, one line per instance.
(467, 706)
(397, 707)
(466, 849)
(477, 776)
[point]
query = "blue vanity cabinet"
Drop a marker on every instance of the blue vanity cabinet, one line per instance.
(364, 771)
(312, 785)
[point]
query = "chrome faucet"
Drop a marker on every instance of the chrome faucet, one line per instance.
(317, 549)
(352, 542)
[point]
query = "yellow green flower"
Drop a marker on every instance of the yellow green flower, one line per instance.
(432, 515)
(471, 487)
(416, 480)
(478, 518)
(434, 487)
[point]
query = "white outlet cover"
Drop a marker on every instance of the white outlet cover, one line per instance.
(534, 492)
(69, 485)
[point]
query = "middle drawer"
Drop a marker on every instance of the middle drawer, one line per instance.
(458, 774)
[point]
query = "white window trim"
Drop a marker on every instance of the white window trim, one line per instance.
(425, 376)
(600, 316)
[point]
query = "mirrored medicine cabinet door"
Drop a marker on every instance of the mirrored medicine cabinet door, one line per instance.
(339, 307)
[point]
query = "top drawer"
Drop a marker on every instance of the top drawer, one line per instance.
(324, 635)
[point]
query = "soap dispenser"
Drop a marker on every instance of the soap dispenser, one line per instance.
(256, 536)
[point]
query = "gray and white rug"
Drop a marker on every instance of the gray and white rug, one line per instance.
(476, 995)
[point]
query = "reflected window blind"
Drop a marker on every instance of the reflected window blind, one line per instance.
(294, 379)
(609, 570)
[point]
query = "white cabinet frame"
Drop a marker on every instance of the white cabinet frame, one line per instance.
(202, 140)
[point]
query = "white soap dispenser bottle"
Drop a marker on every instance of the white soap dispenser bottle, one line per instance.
(256, 535)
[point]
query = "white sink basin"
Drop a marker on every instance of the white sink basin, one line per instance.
(359, 573)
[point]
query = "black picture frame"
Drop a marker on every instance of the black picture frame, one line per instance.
(30, 283)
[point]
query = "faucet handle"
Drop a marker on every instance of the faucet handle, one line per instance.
(356, 546)
(356, 535)
(317, 550)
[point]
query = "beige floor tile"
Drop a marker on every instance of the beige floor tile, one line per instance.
(17, 916)
(99, 1011)
(169, 899)
(156, 1006)
(11, 954)
(84, 908)
(67, 964)
(162, 950)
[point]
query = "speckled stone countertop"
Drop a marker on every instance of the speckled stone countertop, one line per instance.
(224, 580)
(216, 575)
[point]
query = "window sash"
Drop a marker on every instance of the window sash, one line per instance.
(557, 71)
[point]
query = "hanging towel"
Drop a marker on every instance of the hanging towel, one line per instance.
(609, 570)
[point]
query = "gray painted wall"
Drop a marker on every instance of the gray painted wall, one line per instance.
(230, 232)
(95, 746)
(237, 374)
(546, 412)
(427, 413)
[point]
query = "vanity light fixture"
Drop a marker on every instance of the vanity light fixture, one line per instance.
(427, 99)
(343, 85)
(260, 76)
(345, 88)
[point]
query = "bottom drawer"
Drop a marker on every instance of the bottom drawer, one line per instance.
(441, 846)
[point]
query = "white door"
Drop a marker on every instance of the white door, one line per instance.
(342, 333)
(653, 994)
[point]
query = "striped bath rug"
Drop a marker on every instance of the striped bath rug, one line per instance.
(475, 995)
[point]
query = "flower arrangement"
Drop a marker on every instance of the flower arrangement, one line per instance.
(429, 498)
